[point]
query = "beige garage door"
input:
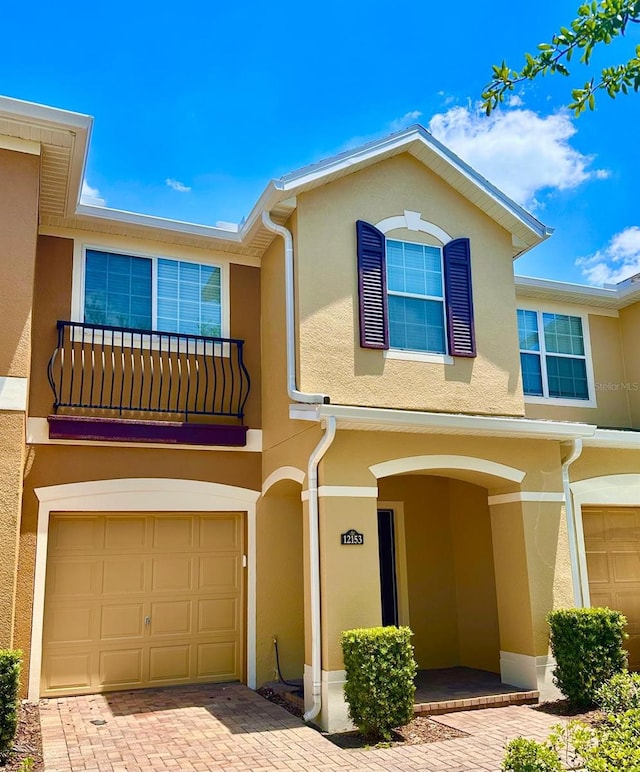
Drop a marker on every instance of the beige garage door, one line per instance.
(612, 542)
(142, 600)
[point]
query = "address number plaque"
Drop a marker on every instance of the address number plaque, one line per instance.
(352, 537)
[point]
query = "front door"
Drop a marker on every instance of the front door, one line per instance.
(388, 579)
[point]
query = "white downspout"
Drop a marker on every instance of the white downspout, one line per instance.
(312, 470)
(575, 449)
(314, 567)
(292, 388)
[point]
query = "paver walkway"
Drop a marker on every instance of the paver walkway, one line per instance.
(230, 728)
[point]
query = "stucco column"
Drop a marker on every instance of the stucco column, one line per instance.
(18, 231)
(350, 593)
(533, 576)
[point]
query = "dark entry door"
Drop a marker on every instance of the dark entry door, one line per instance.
(388, 581)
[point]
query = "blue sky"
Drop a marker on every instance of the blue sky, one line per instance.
(197, 105)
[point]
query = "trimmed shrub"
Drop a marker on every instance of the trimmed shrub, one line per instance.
(587, 646)
(530, 756)
(9, 685)
(613, 746)
(619, 693)
(379, 684)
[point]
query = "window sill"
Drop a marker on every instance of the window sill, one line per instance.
(560, 402)
(419, 356)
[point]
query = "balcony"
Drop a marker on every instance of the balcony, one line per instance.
(121, 384)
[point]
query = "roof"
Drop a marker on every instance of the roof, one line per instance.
(64, 137)
(615, 297)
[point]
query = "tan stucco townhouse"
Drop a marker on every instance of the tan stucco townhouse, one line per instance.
(344, 412)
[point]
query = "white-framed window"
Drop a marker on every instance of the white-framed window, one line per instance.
(124, 288)
(415, 294)
(555, 358)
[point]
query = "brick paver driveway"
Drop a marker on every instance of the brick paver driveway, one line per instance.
(230, 728)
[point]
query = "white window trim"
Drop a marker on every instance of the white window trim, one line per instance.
(591, 402)
(413, 221)
(79, 271)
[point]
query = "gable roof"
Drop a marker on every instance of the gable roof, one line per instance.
(527, 230)
(64, 141)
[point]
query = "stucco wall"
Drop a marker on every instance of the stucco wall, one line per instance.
(280, 583)
(630, 329)
(331, 359)
(11, 460)
(18, 224)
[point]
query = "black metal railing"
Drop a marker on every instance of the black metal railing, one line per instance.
(101, 367)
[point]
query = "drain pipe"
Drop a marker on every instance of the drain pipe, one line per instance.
(575, 449)
(312, 470)
(292, 389)
(314, 559)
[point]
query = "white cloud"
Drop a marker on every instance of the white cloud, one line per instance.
(90, 195)
(406, 120)
(179, 186)
(515, 101)
(619, 260)
(519, 151)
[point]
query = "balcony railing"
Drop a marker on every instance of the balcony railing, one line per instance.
(103, 368)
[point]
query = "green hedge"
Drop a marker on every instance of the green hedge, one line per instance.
(587, 646)
(524, 755)
(619, 693)
(9, 685)
(379, 684)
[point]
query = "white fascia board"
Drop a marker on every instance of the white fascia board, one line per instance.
(604, 297)
(443, 423)
(530, 286)
(621, 439)
(162, 223)
(30, 112)
(397, 142)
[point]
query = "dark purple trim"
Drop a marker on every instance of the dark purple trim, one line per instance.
(459, 298)
(66, 427)
(372, 286)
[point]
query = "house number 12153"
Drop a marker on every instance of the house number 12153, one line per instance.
(352, 537)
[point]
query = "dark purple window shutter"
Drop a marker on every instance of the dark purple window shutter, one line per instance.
(459, 298)
(372, 286)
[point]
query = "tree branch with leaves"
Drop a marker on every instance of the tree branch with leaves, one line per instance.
(596, 24)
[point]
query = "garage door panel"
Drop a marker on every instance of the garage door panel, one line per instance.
(72, 535)
(622, 527)
(122, 534)
(219, 533)
(169, 663)
(218, 615)
(122, 620)
(219, 573)
(72, 578)
(612, 544)
(171, 618)
(171, 574)
(182, 572)
(598, 567)
(68, 670)
(121, 667)
(626, 566)
(70, 624)
(173, 533)
(123, 576)
(218, 660)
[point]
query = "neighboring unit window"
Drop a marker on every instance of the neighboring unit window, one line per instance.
(152, 293)
(416, 297)
(553, 356)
